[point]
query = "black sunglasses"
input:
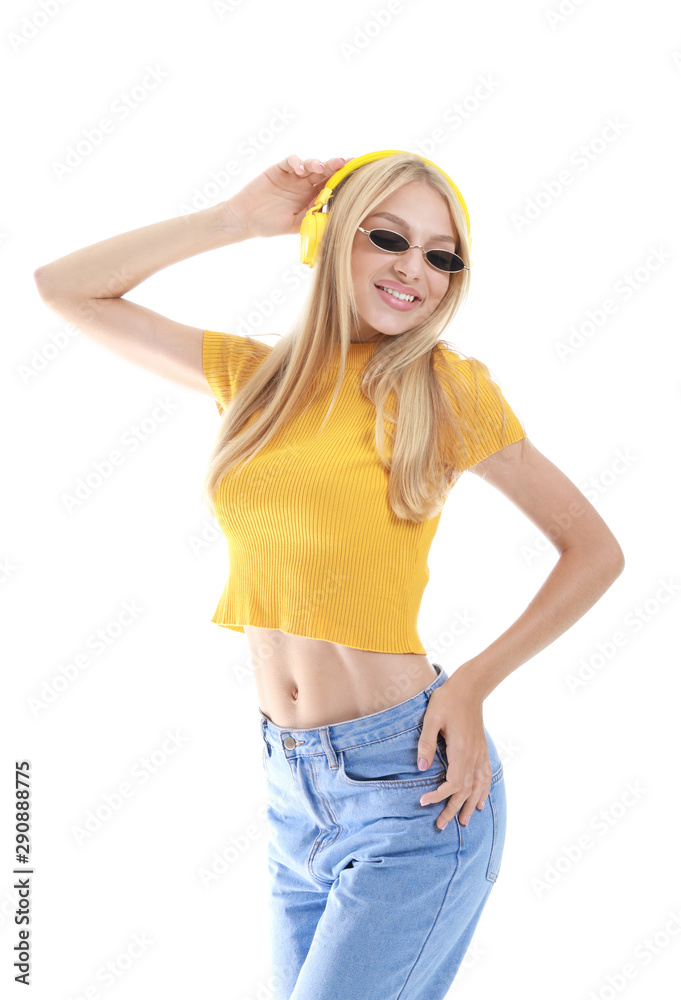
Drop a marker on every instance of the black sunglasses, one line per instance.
(386, 239)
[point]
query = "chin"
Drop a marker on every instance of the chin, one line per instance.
(388, 329)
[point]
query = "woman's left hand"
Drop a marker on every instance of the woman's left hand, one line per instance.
(456, 711)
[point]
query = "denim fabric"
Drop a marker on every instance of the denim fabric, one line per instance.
(369, 899)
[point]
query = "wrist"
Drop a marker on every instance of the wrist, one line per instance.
(469, 683)
(235, 220)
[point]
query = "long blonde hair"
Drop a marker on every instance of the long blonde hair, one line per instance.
(399, 378)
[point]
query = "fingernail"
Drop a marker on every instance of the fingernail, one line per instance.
(445, 826)
(423, 764)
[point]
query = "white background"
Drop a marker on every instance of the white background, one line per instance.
(534, 87)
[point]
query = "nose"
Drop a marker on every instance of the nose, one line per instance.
(411, 264)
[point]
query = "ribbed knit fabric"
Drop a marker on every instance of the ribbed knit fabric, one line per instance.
(314, 548)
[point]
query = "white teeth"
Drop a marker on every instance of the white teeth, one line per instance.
(398, 295)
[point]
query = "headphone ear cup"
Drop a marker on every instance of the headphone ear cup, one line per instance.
(311, 232)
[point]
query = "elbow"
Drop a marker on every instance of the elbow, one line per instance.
(42, 283)
(608, 557)
(612, 558)
(617, 562)
(51, 288)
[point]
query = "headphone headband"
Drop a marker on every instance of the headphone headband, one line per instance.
(315, 220)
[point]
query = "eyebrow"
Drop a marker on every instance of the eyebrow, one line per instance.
(401, 222)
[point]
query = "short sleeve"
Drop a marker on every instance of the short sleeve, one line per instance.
(486, 411)
(229, 360)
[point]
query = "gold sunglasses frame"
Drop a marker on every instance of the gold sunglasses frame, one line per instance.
(411, 246)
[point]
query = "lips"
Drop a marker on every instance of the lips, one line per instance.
(404, 291)
(397, 305)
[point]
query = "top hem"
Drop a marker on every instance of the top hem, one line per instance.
(239, 628)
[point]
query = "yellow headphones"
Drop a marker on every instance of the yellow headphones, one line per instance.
(314, 223)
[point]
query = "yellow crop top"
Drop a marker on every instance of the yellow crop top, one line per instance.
(314, 547)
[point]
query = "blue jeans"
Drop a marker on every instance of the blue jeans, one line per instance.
(368, 897)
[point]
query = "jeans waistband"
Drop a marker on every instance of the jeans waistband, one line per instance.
(354, 732)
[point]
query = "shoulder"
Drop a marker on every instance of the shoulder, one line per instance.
(486, 419)
(444, 357)
(229, 360)
(233, 346)
(470, 376)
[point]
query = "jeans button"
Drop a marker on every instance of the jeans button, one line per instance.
(289, 742)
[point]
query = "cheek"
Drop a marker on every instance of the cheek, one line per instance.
(435, 296)
(361, 277)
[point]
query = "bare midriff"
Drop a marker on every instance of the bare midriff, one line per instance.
(304, 683)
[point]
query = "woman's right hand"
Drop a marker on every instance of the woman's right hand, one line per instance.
(275, 202)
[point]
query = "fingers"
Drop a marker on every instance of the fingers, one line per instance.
(464, 802)
(312, 168)
(470, 805)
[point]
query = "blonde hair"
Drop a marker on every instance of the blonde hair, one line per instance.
(400, 377)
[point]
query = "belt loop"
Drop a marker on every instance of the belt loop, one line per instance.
(429, 690)
(328, 748)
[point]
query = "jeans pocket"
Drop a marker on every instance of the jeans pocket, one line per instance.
(497, 804)
(391, 762)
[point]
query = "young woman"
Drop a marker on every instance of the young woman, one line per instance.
(336, 450)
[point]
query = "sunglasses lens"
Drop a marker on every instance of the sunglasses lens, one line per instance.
(445, 260)
(386, 240)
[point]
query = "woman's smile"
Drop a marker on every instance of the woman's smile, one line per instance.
(403, 305)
